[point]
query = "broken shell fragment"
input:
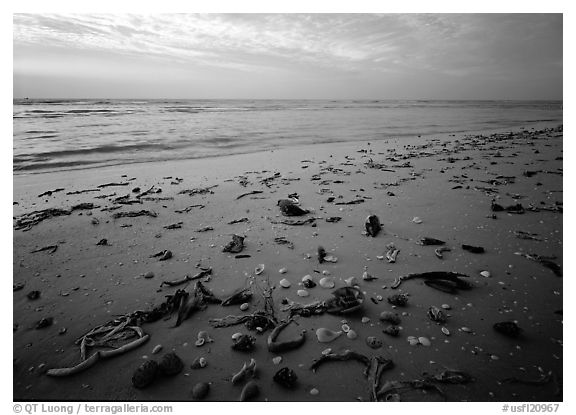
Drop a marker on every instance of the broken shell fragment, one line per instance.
(485, 274)
(417, 220)
(325, 335)
(259, 269)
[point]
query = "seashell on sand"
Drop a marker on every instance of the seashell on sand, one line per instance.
(325, 335)
(259, 269)
(327, 282)
(284, 283)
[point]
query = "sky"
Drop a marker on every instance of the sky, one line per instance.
(288, 56)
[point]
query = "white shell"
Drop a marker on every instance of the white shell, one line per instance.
(445, 331)
(157, 349)
(259, 269)
(277, 360)
(345, 328)
(485, 274)
(424, 341)
(326, 351)
(236, 336)
(365, 320)
(282, 270)
(351, 334)
(330, 258)
(244, 306)
(302, 293)
(466, 330)
(327, 282)
(417, 220)
(285, 283)
(446, 306)
(306, 277)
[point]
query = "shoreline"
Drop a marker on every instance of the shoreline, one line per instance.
(438, 179)
(407, 139)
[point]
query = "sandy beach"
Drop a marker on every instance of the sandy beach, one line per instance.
(500, 192)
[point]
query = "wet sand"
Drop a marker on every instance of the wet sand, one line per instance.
(447, 182)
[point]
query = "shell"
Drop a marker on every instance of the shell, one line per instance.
(330, 258)
(284, 283)
(373, 342)
(417, 220)
(345, 328)
(282, 270)
(437, 315)
(277, 360)
(466, 329)
(326, 351)
(399, 300)
(145, 374)
(244, 306)
(244, 343)
(157, 349)
(445, 331)
(392, 330)
(286, 378)
(200, 391)
(446, 306)
(204, 335)
(199, 363)
(368, 277)
(327, 282)
(259, 269)
(365, 320)
(302, 293)
(412, 340)
(351, 281)
(390, 317)
(171, 364)
(236, 335)
(314, 391)
(424, 341)
(351, 334)
(200, 342)
(485, 274)
(250, 391)
(325, 335)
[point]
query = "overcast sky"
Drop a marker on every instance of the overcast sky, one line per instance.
(334, 56)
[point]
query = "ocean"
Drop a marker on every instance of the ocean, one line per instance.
(70, 134)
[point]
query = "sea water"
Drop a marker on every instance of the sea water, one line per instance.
(70, 134)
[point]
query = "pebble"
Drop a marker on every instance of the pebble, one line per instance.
(373, 342)
(485, 274)
(236, 336)
(351, 334)
(200, 391)
(412, 340)
(327, 282)
(326, 351)
(365, 320)
(314, 391)
(259, 269)
(417, 220)
(494, 357)
(244, 306)
(157, 349)
(345, 328)
(149, 275)
(302, 293)
(284, 283)
(277, 360)
(282, 270)
(466, 330)
(445, 331)
(446, 306)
